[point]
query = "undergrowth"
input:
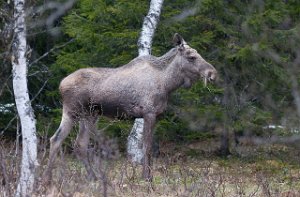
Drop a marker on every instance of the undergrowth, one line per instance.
(254, 171)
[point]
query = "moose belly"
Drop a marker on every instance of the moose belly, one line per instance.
(116, 110)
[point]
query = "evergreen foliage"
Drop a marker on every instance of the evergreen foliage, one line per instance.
(239, 38)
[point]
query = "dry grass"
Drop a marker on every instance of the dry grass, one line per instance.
(186, 170)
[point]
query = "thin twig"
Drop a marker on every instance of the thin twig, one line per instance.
(48, 52)
(8, 125)
(40, 90)
(11, 121)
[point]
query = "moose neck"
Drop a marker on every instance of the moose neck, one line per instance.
(174, 77)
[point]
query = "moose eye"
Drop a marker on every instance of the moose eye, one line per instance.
(191, 58)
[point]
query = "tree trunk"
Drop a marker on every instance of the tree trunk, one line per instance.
(224, 148)
(25, 112)
(134, 146)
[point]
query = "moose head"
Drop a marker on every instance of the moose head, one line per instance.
(192, 64)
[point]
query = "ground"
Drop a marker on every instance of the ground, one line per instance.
(181, 170)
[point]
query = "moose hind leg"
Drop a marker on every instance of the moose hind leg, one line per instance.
(86, 127)
(55, 142)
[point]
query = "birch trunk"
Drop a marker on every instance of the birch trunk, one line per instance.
(25, 112)
(134, 146)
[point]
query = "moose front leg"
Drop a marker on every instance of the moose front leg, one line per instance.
(149, 122)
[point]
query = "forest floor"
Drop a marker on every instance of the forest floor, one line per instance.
(180, 170)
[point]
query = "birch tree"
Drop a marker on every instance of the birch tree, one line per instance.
(134, 146)
(23, 104)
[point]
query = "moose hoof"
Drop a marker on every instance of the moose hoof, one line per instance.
(46, 179)
(147, 176)
(91, 177)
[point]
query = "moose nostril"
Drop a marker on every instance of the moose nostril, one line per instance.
(211, 76)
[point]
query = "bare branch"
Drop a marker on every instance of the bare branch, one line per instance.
(48, 52)
(60, 10)
(8, 125)
(40, 90)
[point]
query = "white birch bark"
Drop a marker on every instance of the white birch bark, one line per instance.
(23, 104)
(134, 146)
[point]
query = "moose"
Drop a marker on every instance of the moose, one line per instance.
(139, 89)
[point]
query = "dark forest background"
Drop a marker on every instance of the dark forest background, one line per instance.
(254, 45)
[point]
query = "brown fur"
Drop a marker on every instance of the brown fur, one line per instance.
(139, 89)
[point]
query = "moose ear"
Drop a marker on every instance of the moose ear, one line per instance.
(178, 40)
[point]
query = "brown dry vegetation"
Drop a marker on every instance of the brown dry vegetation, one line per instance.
(181, 170)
